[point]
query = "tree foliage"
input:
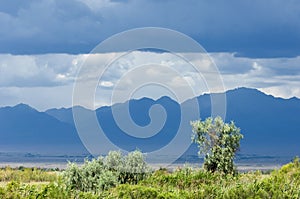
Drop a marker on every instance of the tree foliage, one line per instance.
(218, 142)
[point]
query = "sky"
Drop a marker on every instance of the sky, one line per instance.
(43, 44)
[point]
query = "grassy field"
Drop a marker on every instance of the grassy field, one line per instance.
(27, 175)
(182, 183)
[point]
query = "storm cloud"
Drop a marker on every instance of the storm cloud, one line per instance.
(246, 28)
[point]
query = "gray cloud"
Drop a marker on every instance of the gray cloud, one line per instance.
(249, 28)
(48, 26)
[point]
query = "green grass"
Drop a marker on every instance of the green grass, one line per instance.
(27, 175)
(187, 183)
(183, 183)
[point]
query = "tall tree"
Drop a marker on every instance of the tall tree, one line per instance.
(218, 142)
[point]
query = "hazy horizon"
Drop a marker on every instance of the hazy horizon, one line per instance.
(140, 97)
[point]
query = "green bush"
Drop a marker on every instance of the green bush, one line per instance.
(103, 173)
(114, 161)
(134, 168)
(91, 176)
(130, 169)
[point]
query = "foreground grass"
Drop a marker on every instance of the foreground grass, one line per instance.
(183, 183)
(27, 175)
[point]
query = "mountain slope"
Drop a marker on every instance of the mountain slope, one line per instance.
(24, 128)
(65, 114)
(270, 125)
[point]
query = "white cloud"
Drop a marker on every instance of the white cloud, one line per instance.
(36, 70)
(50, 77)
(96, 5)
(41, 98)
(106, 84)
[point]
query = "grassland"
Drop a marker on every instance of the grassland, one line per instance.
(182, 183)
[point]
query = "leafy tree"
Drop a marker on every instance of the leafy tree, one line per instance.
(218, 142)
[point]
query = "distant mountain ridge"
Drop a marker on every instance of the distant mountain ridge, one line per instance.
(23, 128)
(270, 125)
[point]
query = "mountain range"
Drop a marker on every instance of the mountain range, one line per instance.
(270, 125)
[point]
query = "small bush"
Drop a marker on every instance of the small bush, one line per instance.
(135, 168)
(91, 176)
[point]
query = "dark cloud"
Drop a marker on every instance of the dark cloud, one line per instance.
(119, 1)
(249, 28)
(13, 7)
(49, 26)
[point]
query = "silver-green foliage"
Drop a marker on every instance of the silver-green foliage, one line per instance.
(102, 173)
(131, 168)
(218, 141)
(91, 176)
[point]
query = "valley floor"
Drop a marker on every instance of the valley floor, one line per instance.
(181, 183)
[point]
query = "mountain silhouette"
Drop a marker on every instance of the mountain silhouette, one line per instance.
(270, 125)
(23, 128)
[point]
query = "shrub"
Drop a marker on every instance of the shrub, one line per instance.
(103, 173)
(114, 161)
(135, 168)
(130, 169)
(91, 176)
